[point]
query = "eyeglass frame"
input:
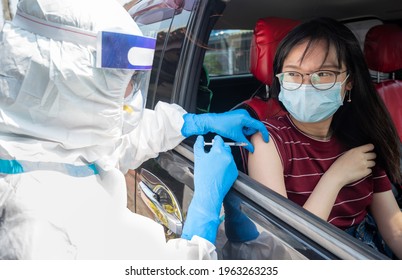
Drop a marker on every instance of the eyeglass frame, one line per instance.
(337, 73)
(137, 79)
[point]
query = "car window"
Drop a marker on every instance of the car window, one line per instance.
(169, 27)
(228, 52)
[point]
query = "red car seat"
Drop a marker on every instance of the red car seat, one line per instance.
(383, 52)
(268, 32)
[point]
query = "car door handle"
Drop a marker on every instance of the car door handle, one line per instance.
(165, 213)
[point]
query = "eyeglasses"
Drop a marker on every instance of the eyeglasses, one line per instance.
(137, 79)
(321, 80)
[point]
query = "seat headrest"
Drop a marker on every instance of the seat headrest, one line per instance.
(268, 32)
(383, 48)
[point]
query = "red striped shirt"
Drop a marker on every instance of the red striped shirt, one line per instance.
(305, 160)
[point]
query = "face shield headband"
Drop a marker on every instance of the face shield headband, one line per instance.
(114, 50)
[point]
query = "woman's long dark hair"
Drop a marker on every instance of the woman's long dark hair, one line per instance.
(363, 120)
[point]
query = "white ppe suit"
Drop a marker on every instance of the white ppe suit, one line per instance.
(61, 119)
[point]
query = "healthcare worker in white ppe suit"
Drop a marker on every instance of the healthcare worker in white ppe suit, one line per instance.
(66, 142)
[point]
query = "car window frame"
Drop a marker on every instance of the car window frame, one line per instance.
(312, 229)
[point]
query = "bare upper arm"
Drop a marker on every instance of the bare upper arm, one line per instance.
(265, 166)
(386, 212)
(388, 217)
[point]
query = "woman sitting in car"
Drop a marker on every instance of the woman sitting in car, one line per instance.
(337, 149)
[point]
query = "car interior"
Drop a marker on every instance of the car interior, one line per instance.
(230, 53)
(379, 36)
(358, 15)
(377, 27)
(384, 58)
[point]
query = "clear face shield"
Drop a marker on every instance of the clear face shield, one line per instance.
(134, 99)
(123, 51)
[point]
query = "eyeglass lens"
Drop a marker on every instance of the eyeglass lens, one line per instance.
(321, 80)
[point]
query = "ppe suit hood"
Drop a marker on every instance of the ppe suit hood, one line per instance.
(51, 90)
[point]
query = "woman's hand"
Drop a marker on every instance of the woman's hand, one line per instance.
(353, 165)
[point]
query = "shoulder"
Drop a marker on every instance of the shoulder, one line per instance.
(281, 128)
(278, 123)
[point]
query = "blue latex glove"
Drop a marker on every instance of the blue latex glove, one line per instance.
(236, 125)
(238, 227)
(214, 173)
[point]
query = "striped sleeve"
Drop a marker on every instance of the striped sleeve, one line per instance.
(381, 181)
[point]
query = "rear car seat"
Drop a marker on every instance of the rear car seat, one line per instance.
(268, 32)
(383, 52)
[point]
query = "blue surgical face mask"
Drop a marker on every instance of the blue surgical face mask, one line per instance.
(308, 104)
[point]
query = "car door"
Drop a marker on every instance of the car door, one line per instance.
(162, 188)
